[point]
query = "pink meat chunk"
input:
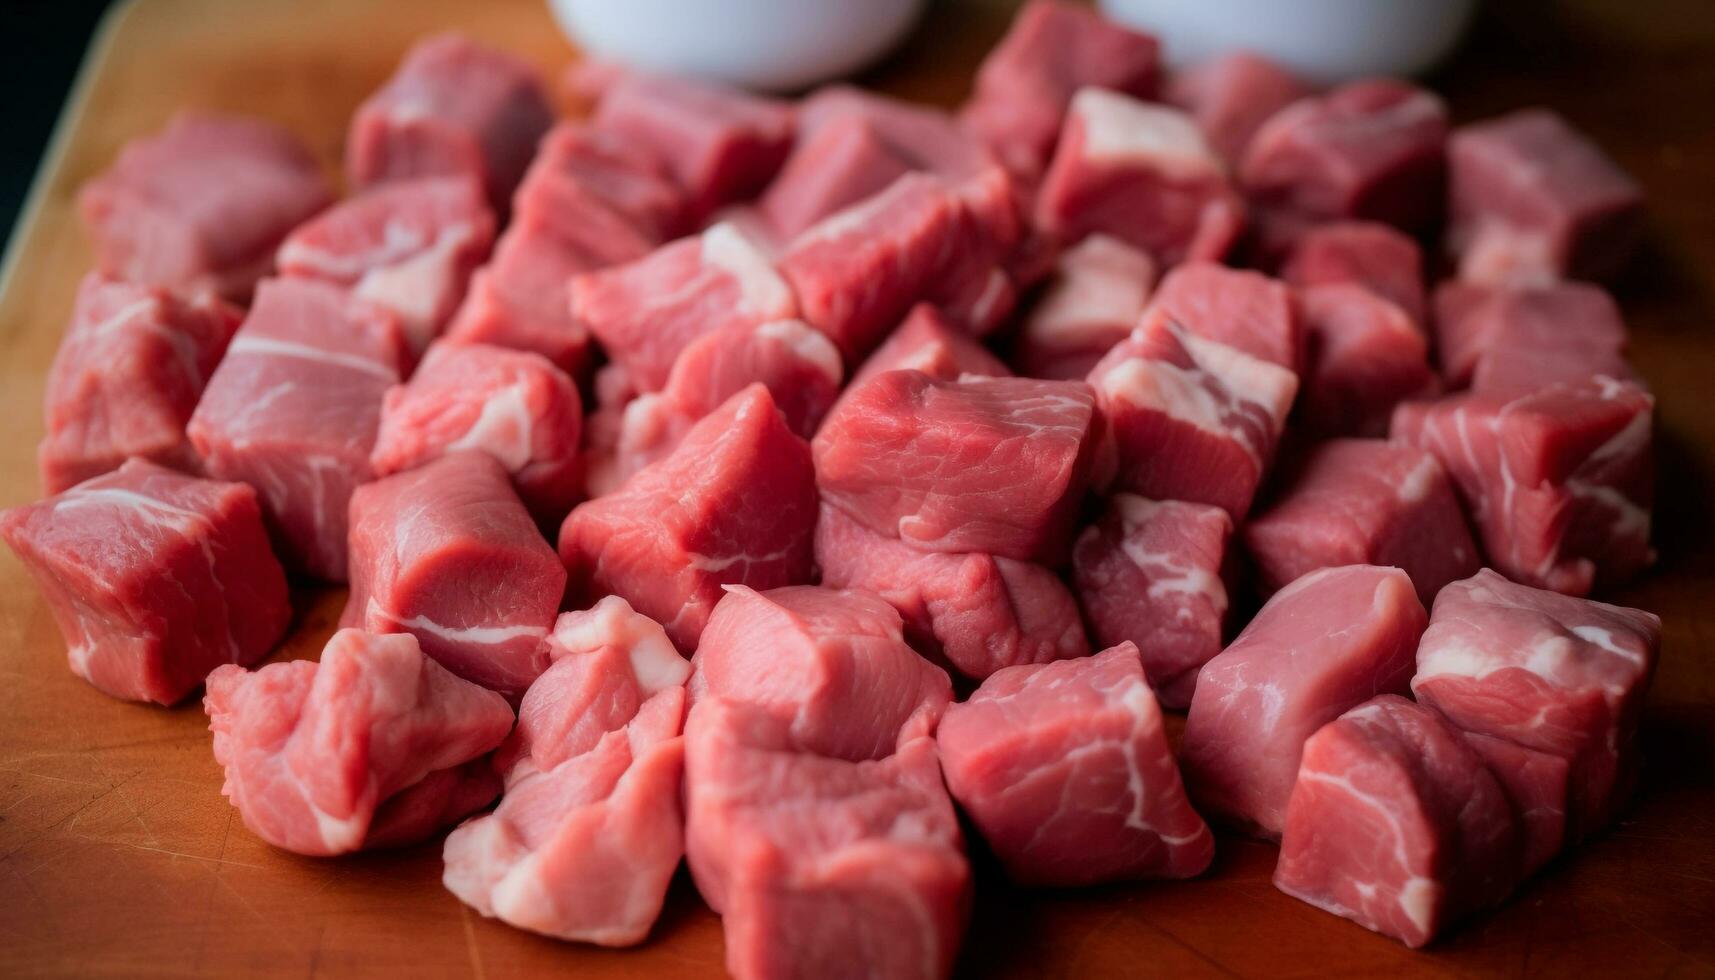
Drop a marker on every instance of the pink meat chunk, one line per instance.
(1232, 95)
(1372, 148)
(1539, 786)
(129, 371)
(735, 503)
(201, 204)
(293, 411)
(1141, 172)
(315, 752)
(646, 312)
(154, 578)
(994, 466)
(1026, 83)
(409, 246)
(927, 341)
(1375, 256)
(1558, 480)
(590, 831)
(833, 166)
(1236, 307)
(1557, 675)
(1364, 502)
(1321, 646)
(1397, 824)
(1523, 338)
(1533, 200)
(1150, 573)
(447, 553)
(1066, 771)
(514, 405)
(1187, 418)
(519, 300)
(454, 107)
(976, 612)
(437, 801)
(1096, 296)
(1365, 357)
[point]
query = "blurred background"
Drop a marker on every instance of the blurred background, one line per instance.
(41, 44)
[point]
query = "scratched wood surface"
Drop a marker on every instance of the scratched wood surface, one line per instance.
(119, 857)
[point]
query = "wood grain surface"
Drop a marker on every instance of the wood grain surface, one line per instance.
(118, 856)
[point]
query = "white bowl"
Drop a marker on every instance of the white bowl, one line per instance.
(776, 45)
(1323, 40)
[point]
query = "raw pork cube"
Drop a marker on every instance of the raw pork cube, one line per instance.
(1532, 200)
(1321, 646)
(1539, 786)
(927, 342)
(1232, 95)
(519, 298)
(832, 167)
(202, 204)
(1236, 307)
(1558, 480)
(735, 503)
(1375, 256)
(513, 405)
(1141, 172)
(409, 246)
(1372, 148)
(590, 831)
(1149, 573)
(154, 578)
(437, 801)
(976, 612)
(1365, 356)
(1027, 82)
(1397, 824)
(454, 107)
(447, 553)
(316, 753)
(293, 410)
(989, 465)
(1523, 338)
(1364, 502)
(1066, 771)
(1098, 292)
(1551, 673)
(129, 371)
(1186, 418)
(646, 312)
(832, 664)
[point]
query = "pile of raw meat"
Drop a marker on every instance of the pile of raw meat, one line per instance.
(849, 429)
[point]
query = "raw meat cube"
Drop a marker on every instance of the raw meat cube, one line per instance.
(1365, 357)
(1098, 292)
(1141, 172)
(926, 342)
(1539, 786)
(735, 503)
(1364, 502)
(519, 298)
(293, 410)
(1232, 95)
(409, 246)
(590, 831)
(437, 801)
(1396, 823)
(1236, 307)
(153, 577)
(513, 405)
(976, 612)
(1186, 418)
(1321, 646)
(202, 204)
(1026, 83)
(1375, 256)
(833, 166)
(454, 107)
(1066, 771)
(989, 465)
(1533, 200)
(646, 312)
(314, 752)
(447, 553)
(1551, 673)
(129, 371)
(1558, 480)
(1372, 148)
(1523, 338)
(1149, 573)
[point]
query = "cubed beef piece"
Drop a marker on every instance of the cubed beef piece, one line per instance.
(1375, 256)
(1099, 289)
(1364, 356)
(1527, 337)
(1236, 307)
(926, 341)
(1232, 95)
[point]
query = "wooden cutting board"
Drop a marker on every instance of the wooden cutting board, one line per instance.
(118, 855)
